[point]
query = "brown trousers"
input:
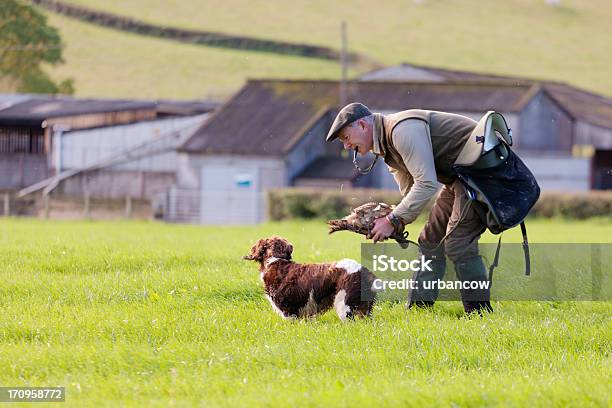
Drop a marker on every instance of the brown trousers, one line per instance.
(462, 243)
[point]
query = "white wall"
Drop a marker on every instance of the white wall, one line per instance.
(559, 173)
(75, 149)
(599, 137)
(232, 189)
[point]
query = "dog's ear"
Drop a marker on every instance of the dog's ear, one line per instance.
(257, 251)
(281, 248)
(289, 251)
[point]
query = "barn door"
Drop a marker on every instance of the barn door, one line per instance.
(230, 195)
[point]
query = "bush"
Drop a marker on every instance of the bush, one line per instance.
(574, 205)
(296, 203)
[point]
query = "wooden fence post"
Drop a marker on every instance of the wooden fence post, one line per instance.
(46, 205)
(86, 207)
(128, 206)
(7, 205)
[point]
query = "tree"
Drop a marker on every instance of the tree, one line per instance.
(27, 42)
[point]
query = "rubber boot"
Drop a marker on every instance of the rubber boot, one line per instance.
(425, 298)
(474, 300)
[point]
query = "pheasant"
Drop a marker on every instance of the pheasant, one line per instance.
(361, 221)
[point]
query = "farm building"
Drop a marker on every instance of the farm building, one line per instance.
(588, 146)
(271, 135)
(27, 124)
(137, 159)
(122, 147)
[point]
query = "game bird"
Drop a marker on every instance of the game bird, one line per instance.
(361, 220)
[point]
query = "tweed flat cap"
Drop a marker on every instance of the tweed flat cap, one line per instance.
(346, 116)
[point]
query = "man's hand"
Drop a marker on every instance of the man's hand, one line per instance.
(382, 229)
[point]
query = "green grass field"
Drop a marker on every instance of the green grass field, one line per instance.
(150, 314)
(518, 37)
(109, 63)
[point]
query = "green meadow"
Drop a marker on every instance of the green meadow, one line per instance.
(110, 63)
(518, 37)
(152, 314)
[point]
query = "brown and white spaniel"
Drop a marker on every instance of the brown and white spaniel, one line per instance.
(303, 290)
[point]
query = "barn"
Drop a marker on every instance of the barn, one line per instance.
(271, 135)
(136, 159)
(28, 122)
(111, 148)
(584, 160)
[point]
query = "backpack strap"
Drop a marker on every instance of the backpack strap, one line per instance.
(526, 249)
(525, 252)
(495, 260)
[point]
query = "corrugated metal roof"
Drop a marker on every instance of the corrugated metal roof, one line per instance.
(442, 96)
(265, 116)
(8, 100)
(32, 111)
(185, 108)
(261, 118)
(580, 104)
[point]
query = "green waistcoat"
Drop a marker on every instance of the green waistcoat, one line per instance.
(448, 132)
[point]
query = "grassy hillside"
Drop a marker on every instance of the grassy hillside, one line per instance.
(110, 63)
(518, 37)
(151, 314)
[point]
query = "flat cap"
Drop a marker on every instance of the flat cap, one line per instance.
(346, 116)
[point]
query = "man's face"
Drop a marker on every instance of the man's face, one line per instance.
(357, 136)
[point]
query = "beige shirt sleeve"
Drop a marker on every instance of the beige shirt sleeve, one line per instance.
(403, 180)
(412, 141)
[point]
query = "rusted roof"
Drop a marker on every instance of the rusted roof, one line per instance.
(267, 117)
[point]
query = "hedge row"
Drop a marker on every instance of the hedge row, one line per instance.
(574, 205)
(292, 203)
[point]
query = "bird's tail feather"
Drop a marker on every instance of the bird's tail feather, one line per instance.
(337, 225)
